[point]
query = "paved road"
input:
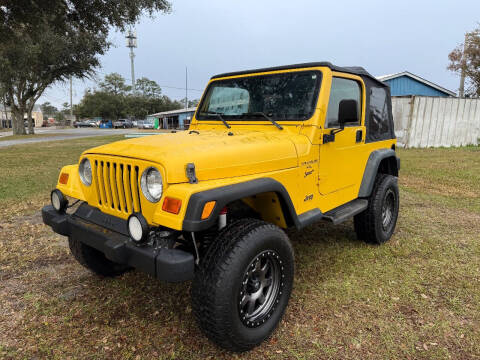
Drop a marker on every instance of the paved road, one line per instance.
(63, 134)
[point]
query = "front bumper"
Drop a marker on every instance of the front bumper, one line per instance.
(108, 234)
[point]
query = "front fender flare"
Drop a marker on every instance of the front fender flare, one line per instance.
(226, 194)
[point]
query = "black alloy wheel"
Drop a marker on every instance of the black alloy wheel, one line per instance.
(261, 288)
(243, 284)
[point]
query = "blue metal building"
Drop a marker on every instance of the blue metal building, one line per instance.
(405, 84)
(175, 119)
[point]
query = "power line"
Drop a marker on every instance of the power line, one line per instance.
(162, 86)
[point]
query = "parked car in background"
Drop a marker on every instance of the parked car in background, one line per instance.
(85, 123)
(148, 123)
(122, 123)
(134, 123)
(106, 124)
(140, 124)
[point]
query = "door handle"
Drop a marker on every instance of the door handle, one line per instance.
(359, 136)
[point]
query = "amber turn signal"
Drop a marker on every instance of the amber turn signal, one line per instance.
(207, 209)
(172, 205)
(63, 178)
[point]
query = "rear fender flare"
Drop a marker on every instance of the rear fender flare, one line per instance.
(371, 169)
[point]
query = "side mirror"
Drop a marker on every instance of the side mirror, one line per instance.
(347, 112)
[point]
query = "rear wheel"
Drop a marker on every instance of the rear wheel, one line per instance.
(243, 285)
(94, 260)
(377, 223)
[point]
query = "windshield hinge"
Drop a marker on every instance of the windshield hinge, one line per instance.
(190, 172)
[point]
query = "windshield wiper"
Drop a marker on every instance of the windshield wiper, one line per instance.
(218, 115)
(260, 113)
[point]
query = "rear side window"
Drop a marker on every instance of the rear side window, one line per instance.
(378, 121)
(342, 89)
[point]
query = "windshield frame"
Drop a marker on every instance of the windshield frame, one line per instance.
(258, 119)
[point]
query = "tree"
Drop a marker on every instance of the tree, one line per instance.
(92, 15)
(191, 103)
(114, 83)
(44, 42)
(65, 108)
(148, 88)
(113, 100)
(31, 62)
(466, 58)
(48, 109)
(106, 104)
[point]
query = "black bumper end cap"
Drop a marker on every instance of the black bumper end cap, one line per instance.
(175, 265)
(57, 221)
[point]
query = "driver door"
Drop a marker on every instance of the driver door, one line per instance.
(341, 165)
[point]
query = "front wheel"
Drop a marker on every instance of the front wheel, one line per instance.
(243, 285)
(94, 260)
(377, 223)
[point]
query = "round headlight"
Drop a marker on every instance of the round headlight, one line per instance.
(151, 184)
(85, 172)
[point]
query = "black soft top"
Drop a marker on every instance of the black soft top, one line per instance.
(356, 70)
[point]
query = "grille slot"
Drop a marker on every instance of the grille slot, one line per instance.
(116, 185)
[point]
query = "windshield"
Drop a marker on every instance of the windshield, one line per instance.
(284, 96)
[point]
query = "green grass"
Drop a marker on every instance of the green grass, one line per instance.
(415, 297)
(32, 169)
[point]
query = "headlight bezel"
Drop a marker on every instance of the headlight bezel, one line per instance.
(144, 185)
(81, 172)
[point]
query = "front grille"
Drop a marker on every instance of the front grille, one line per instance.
(116, 184)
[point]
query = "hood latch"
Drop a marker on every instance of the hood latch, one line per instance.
(190, 172)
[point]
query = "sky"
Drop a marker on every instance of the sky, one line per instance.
(215, 36)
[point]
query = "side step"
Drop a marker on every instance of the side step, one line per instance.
(346, 211)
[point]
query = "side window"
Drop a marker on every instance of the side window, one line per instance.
(378, 123)
(342, 89)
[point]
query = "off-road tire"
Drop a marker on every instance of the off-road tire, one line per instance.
(369, 224)
(94, 260)
(220, 280)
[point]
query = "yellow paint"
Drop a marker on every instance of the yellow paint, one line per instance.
(315, 175)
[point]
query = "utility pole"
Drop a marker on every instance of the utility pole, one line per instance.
(186, 87)
(71, 100)
(132, 43)
(461, 90)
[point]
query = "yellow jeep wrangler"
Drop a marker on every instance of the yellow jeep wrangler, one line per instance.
(266, 150)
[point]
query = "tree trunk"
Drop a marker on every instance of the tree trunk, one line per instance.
(31, 129)
(18, 122)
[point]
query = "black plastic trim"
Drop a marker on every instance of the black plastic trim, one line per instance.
(226, 194)
(355, 70)
(371, 170)
(309, 217)
(346, 211)
(172, 265)
(93, 215)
